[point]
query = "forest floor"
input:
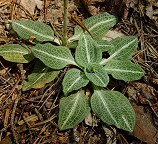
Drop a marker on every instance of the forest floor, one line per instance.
(31, 117)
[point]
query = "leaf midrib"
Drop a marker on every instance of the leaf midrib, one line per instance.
(16, 52)
(99, 23)
(58, 58)
(87, 50)
(36, 79)
(99, 79)
(74, 83)
(106, 107)
(72, 110)
(104, 61)
(33, 31)
(126, 122)
(124, 71)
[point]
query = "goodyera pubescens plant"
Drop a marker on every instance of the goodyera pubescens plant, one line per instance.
(90, 67)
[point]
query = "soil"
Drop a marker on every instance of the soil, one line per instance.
(31, 117)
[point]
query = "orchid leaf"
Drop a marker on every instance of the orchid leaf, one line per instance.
(37, 30)
(113, 108)
(55, 57)
(74, 80)
(86, 51)
(16, 53)
(97, 74)
(124, 70)
(40, 75)
(72, 110)
(97, 25)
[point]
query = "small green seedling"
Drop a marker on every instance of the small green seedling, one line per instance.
(90, 67)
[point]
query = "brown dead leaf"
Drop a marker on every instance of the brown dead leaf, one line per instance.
(93, 139)
(152, 9)
(112, 34)
(118, 8)
(146, 91)
(145, 95)
(55, 12)
(39, 4)
(93, 6)
(30, 5)
(63, 139)
(144, 128)
(149, 11)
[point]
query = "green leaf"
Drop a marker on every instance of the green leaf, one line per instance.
(27, 28)
(16, 53)
(39, 76)
(86, 51)
(73, 45)
(124, 70)
(104, 45)
(74, 80)
(72, 110)
(56, 57)
(96, 74)
(124, 48)
(113, 108)
(97, 25)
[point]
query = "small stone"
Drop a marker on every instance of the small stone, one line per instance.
(8, 26)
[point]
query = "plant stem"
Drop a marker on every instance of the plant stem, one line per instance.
(64, 40)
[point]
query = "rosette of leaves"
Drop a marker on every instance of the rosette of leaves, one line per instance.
(111, 107)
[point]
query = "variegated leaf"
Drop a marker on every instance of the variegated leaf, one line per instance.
(74, 80)
(72, 110)
(104, 45)
(86, 51)
(40, 75)
(16, 53)
(97, 25)
(97, 74)
(56, 57)
(113, 108)
(37, 30)
(124, 48)
(124, 70)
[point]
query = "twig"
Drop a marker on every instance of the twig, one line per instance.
(12, 118)
(46, 121)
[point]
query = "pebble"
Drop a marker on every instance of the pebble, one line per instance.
(8, 26)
